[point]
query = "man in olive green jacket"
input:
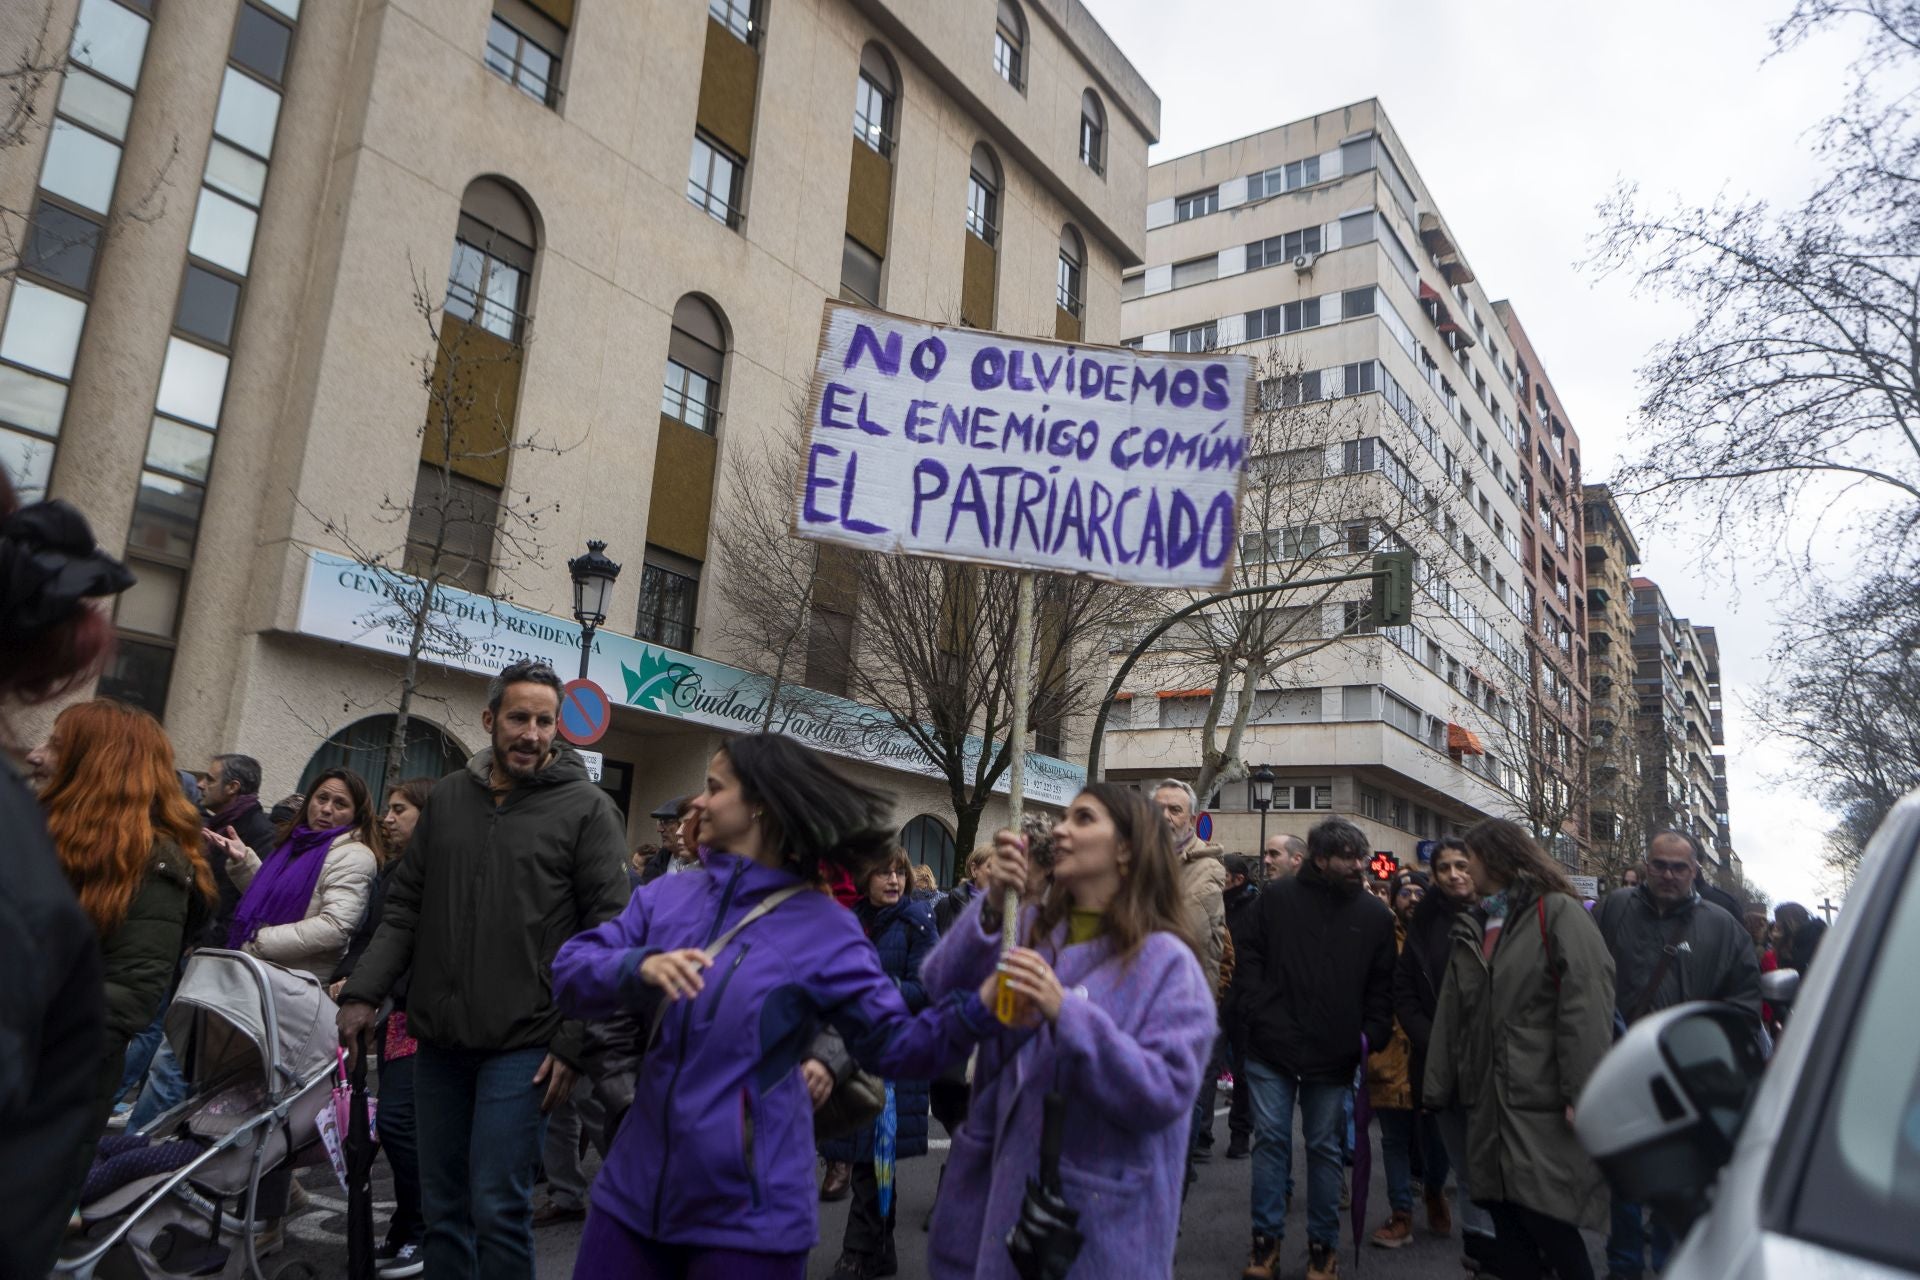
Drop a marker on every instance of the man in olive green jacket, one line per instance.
(512, 856)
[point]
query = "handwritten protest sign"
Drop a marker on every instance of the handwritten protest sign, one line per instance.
(996, 449)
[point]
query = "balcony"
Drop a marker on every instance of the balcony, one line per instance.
(1598, 597)
(1446, 254)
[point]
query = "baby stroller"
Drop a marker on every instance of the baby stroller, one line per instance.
(257, 1044)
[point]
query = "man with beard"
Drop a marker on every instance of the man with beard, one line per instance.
(1317, 975)
(510, 857)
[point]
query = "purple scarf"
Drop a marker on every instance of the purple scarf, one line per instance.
(283, 886)
(236, 807)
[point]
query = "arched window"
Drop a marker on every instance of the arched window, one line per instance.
(927, 841)
(1069, 290)
(1093, 132)
(362, 747)
(873, 100)
(492, 259)
(983, 195)
(1010, 45)
(695, 355)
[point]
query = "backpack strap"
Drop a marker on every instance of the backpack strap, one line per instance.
(764, 907)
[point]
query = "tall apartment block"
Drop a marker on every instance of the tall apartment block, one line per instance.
(1557, 599)
(1717, 736)
(632, 214)
(1676, 721)
(1613, 745)
(1391, 418)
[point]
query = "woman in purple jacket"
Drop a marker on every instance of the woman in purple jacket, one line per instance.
(711, 1173)
(1121, 1024)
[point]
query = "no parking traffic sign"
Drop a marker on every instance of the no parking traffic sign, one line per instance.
(585, 713)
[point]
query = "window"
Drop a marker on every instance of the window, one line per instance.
(929, 844)
(1288, 317)
(1187, 711)
(873, 97)
(488, 281)
(80, 166)
(1196, 270)
(1199, 337)
(983, 196)
(1286, 177)
(1197, 205)
(42, 329)
(1356, 302)
(669, 590)
(111, 40)
(523, 48)
(61, 246)
(829, 650)
(1275, 250)
(450, 531)
(1356, 618)
(1309, 796)
(1010, 45)
(859, 273)
(736, 16)
(1357, 702)
(713, 180)
(1093, 132)
(690, 391)
(260, 43)
(208, 303)
(1069, 287)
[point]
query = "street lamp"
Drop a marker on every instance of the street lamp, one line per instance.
(593, 579)
(1262, 779)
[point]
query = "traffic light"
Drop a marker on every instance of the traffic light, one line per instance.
(1383, 866)
(1393, 594)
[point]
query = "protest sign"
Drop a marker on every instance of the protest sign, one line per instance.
(995, 449)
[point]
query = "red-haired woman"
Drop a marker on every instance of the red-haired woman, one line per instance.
(51, 638)
(129, 840)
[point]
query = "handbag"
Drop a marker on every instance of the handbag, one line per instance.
(856, 1099)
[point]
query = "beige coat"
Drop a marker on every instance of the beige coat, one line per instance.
(1203, 883)
(317, 942)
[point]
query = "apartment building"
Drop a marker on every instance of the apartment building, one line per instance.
(1675, 723)
(1389, 418)
(1557, 599)
(1717, 735)
(631, 214)
(1615, 824)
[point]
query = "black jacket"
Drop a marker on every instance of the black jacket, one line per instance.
(1316, 974)
(1713, 957)
(1417, 976)
(948, 906)
(52, 1034)
(256, 829)
(483, 898)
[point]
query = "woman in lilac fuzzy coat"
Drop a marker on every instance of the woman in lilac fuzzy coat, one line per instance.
(1119, 1021)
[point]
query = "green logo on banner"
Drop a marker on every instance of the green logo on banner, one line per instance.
(649, 685)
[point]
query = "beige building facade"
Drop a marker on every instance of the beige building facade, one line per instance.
(632, 215)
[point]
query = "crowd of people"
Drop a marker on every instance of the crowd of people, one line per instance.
(766, 1007)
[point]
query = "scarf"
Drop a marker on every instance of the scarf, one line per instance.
(1495, 907)
(283, 886)
(235, 808)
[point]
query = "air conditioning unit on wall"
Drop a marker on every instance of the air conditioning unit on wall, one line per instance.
(1303, 263)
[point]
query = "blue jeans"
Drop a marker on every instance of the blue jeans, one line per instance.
(140, 1051)
(480, 1128)
(166, 1088)
(400, 1139)
(1322, 1113)
(1627, 1241)
(1396, 1153)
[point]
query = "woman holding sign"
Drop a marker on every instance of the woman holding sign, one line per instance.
(1117, 1019)
(711, 1174)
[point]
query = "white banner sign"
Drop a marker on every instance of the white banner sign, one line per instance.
(1586, 886)
(995, 449)
(595, 762)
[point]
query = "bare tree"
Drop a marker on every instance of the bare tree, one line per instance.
(1323, 494)
(456, 530)
(1796, 379)
(913, 648)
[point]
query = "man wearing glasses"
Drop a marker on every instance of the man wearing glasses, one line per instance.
(1670, 945)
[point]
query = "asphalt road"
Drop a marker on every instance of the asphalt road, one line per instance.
(1213, 1241)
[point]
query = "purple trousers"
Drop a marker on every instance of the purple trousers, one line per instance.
(608, 1249)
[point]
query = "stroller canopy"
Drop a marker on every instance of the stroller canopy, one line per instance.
(236, 1016)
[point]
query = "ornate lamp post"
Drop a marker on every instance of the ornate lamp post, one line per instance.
(593, 579)
(1262, 779)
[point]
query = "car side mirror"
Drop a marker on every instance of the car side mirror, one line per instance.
(1779, 987)
(1660, 1113)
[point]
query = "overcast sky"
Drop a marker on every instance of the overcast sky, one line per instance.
(1520, 116)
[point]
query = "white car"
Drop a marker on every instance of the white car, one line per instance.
(1813, 1169)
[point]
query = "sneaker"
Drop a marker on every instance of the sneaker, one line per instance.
(1397, 1231)
(1439, 1213)
(1264, 1262)
(1323, 1261)
(548, 1212)
(1239, 1147)
(408, 1259)
(837, 1184)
